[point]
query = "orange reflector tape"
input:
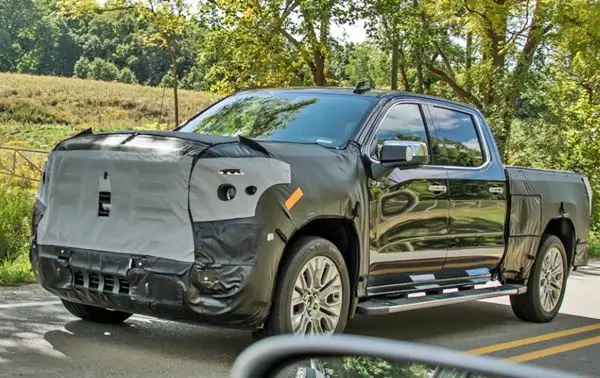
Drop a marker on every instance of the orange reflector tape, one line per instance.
(294, 198)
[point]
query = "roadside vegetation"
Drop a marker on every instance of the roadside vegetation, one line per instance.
(39, 111)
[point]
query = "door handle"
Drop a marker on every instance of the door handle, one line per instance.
(437, 188)
(496, 190)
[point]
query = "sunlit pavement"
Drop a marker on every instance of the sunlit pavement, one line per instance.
(39, 338)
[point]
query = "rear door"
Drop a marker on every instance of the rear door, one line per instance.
(476, 190)
(409, 210)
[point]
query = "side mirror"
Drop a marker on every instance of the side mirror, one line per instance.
(403, 154)
(359, 356)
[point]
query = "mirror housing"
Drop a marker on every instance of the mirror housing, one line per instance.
(268, 358)
(403, 154)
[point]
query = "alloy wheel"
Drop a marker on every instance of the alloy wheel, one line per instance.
(552, 279)
(317, 298)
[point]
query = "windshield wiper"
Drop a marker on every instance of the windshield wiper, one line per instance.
(254, 145)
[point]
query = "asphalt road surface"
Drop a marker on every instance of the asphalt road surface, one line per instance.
(39, 338)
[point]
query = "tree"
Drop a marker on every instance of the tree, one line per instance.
(303, 24)
(502, 39)
(167, 22)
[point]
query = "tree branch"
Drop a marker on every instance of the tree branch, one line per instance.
(460, 91)
(291, 38)
(289, 8)
(445, 60)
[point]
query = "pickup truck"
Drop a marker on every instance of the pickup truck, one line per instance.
(291, 210)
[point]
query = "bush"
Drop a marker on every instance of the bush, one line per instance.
(167, 81)
(594, 245)
(82, 68)
(127, 76)
(16, 207)
(100, 69)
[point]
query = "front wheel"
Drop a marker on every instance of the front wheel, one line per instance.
(312, 295)
(547, 283)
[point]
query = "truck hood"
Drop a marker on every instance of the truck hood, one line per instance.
(141, 192)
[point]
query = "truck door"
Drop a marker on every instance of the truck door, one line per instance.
(476, 191)
(409, 210)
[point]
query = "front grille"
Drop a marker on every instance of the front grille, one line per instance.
(94, 281)
(78, 279)
(100, 282)
(123, 286)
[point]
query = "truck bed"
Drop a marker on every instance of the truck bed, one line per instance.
(536, 198)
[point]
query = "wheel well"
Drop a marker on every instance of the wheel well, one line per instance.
(340, 232)
(564, 230)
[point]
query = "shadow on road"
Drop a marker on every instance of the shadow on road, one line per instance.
(149, 337)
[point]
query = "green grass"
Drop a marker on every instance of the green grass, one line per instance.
(38, 112)
(16, 206)
(594, 245)
(16, 272)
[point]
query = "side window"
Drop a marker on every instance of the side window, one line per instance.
(402, 122)
(457, 143)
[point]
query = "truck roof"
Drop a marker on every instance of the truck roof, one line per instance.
(381, 93)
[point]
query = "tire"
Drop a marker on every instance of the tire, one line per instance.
(323, 256)
(95, 314)
(531, 305)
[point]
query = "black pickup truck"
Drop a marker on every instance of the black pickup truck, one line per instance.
(288, 211)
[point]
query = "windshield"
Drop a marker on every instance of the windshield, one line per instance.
(328, 119)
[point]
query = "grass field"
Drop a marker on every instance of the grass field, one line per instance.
(39, 111)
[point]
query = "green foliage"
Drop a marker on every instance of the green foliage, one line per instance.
(594, 245)
(16, 207)
(127, 76)
(82, 68)
(100, 69)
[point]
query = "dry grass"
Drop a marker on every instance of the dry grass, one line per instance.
(39, 111)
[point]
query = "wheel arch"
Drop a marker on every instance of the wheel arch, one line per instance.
(563, 229)
(342, 233)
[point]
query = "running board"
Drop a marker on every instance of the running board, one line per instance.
(380, 306)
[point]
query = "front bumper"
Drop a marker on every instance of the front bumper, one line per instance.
(153, 286)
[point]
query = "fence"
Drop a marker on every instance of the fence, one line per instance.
(24, 163)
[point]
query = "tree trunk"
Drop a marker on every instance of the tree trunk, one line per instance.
(175, 85)
(395, 47)
(403, 72)
(468, 61)
(419, 63)
(319, 68)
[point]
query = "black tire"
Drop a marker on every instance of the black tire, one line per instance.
(95, 314)
(303, 250)
(529, 306)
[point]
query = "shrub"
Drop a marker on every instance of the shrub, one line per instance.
(16, 207)
(127, 76)
(100, 69)
(82, 68)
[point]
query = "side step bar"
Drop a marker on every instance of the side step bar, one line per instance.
(380, 306)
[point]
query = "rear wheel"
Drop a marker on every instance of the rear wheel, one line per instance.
(546, 285)
(95, 314)
(313, 291)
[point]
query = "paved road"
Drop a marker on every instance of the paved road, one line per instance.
(39, 338)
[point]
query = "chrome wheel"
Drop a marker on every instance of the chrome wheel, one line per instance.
(317, 297)
(552, 279)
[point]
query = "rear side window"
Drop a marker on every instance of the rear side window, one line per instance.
(402, 122)
(457, 143)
